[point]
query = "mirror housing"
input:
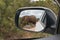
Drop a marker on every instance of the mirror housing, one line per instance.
(51, 23)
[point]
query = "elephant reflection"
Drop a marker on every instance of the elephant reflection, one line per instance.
(28, 21)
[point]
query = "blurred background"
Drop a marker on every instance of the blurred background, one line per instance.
(8, 8)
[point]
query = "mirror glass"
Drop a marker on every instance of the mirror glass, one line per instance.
(32, 20)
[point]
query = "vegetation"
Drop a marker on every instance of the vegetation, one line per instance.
(8, 8)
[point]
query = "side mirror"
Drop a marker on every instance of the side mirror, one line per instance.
(35, 19)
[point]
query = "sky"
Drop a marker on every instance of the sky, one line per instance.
(36, 13)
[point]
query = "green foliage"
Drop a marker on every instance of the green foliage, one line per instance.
(7, 14)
